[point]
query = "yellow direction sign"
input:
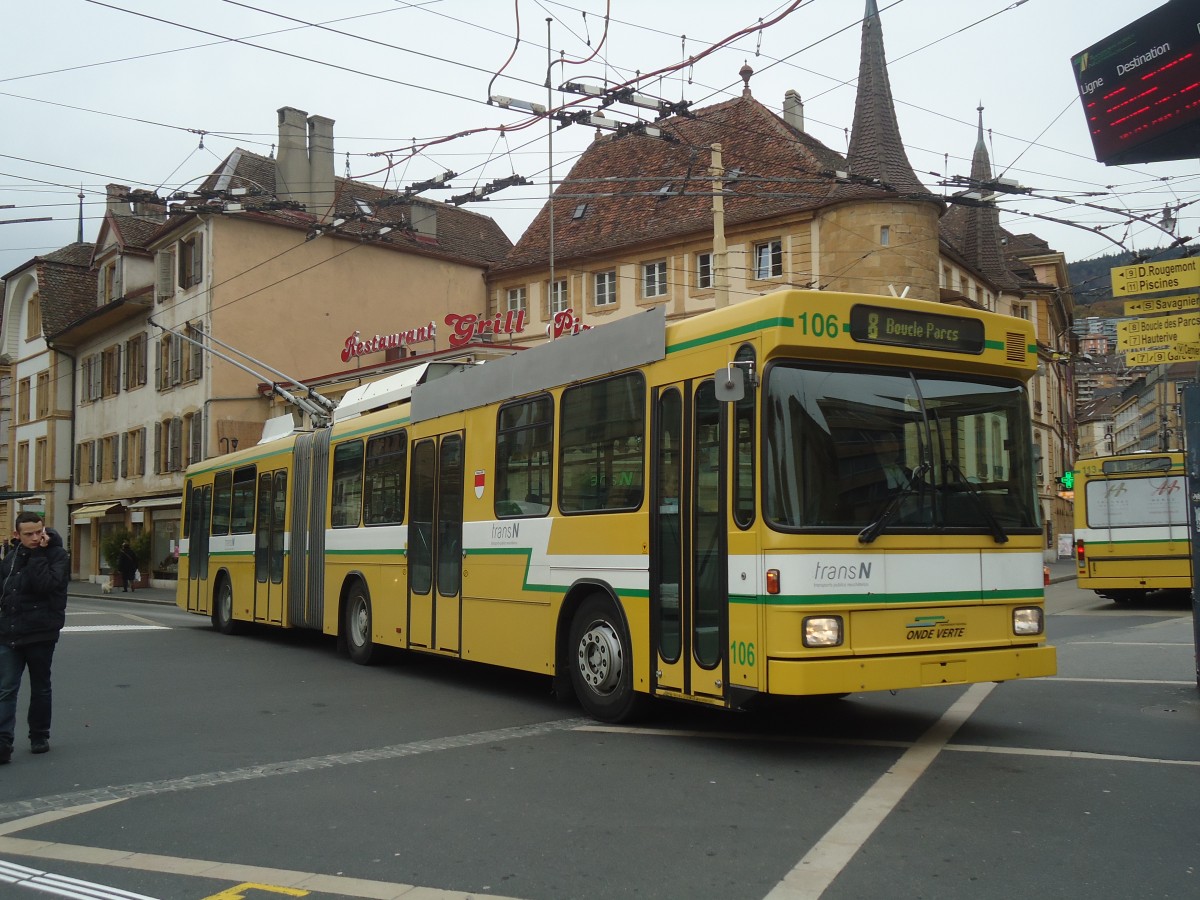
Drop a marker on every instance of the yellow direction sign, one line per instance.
(1155, 277)
(1159, 331)
(1162, 304)
(1183, 353)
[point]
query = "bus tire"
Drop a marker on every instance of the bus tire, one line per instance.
(356, 626)
(601, 662)
(222, 612)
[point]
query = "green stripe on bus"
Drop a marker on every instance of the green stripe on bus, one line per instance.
(721, 336)
(888, 599)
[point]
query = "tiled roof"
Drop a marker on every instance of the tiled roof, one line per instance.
(66, 286)
(136, 232)
(461, 235)
(631, 188)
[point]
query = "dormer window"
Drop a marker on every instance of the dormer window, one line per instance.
(579, 211)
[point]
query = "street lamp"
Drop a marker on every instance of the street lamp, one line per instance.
(227, 443)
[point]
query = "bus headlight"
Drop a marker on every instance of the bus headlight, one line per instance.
(822, 631)
(1027, 620)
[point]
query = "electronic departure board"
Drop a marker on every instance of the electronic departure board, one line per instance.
(1140, 87)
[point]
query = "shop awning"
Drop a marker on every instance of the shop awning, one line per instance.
(92, 510)
(153, 502)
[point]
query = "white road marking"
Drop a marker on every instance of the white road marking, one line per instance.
(60, 885)
(92, 628)
(833, 852)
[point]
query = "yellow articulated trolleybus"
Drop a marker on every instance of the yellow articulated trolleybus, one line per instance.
(1131, 531)
(805, 493)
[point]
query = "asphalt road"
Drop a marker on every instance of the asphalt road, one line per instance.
(189, 765)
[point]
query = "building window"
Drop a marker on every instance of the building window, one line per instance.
(1021, 311)
(768, 260)
(41, 473)
(191, 260)
(558, 297)
(516, 299)
(43, 395)
(654, 279)
(109, 458)
(605, 288)
(22, 480)
(170, 361)
(195, 354)
(193, 426)
(885, 235)
(91, 378)
(108, 283)
(135, 361)
(110, 371)
(704, 271)
(85, 462)
(23, 400)
(33, 318)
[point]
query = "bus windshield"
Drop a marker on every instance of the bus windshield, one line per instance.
(922, 451)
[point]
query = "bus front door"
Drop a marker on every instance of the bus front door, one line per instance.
(199, 595)
(689, 609)
(435, 543)
(269, 570)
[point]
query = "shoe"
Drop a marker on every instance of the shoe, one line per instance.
(5, 754)
(39, 745)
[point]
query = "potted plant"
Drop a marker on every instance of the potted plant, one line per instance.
(110, 549)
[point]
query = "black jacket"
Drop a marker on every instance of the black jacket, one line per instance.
(33, 592)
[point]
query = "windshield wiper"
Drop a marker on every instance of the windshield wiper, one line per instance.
(973, 492)
(915, 485)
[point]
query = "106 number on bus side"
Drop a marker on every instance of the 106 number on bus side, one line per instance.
(819, 325)
(741, 653)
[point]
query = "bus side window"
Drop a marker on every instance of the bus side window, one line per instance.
(602, 445)
(387, 462)
(524, 450)
(346, 507)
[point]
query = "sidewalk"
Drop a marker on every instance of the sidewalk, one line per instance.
(1061, 570)
(141, 595)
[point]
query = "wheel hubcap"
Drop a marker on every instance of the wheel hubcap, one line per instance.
(358, 623)
(600, 657)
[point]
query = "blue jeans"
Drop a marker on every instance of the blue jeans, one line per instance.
(13, 662)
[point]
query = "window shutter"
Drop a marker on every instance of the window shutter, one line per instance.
(139, 458)
(176, 360)
(118, 280)
(141, 358)
(158, 455)
(125, 455)
(79, 463)
(196, 437)
(164, 283)
(116, 372)
(175, 445)
(97, 385)
(198, 259)
(95, 448)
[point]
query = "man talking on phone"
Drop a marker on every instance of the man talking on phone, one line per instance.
(34, 575)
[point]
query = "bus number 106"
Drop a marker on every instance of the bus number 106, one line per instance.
(741, 653)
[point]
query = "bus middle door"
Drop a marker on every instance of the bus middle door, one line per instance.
(269, 526)
(435, 543)
(689, 608)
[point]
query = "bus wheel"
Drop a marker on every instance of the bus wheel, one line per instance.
(222, 611)
(601, 662)
(357, 627)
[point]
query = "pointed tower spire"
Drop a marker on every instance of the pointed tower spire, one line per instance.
(981, 232)
(79, 239)
(876, 150)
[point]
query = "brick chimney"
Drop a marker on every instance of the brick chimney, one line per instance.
(320, 167)
(117, 197)
(291, 163)
(793, 110)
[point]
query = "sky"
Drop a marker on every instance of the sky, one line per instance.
(155, 93)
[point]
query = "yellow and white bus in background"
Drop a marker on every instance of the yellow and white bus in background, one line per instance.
(805, 493)
(1131, 531)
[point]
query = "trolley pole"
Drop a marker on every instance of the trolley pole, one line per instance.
(1191, 434)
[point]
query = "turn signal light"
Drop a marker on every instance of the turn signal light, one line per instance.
(772, 581)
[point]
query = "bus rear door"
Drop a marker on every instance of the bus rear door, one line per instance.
(199, 595)
(689, 608)
(435, 543)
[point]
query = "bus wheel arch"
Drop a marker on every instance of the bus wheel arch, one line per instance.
(355, 622)
(223, 621)
(598, 654)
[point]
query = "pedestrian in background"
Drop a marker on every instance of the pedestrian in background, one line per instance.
(34, 575)
(127, 565)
